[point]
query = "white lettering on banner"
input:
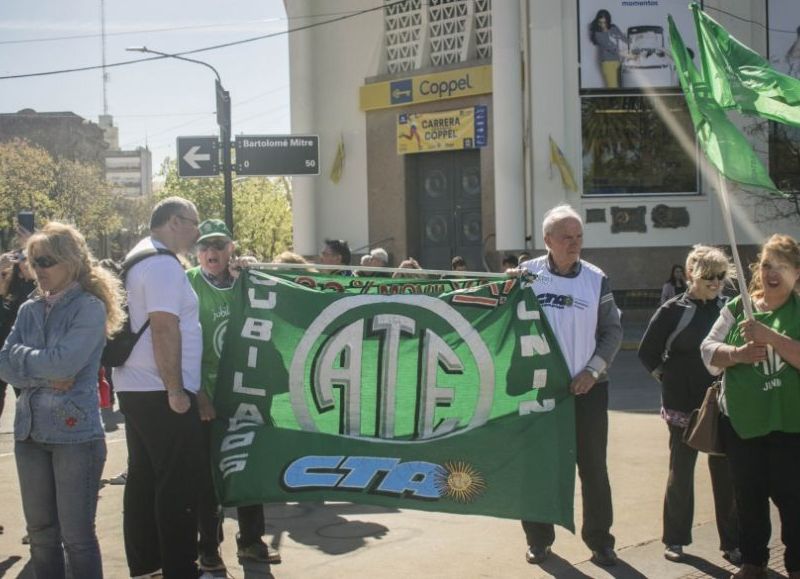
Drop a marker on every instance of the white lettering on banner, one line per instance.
(257, 329)
(248, 414)
(252, 357)
(239, 388)
(232, 463)
(261, 304)
(525, 314)
(237, 441)
(391, 326)
(347, 345)
(245, 414)
(435, 351)
(534, 346)
(532, 406)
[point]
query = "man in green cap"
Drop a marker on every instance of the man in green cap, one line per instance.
(213, 283)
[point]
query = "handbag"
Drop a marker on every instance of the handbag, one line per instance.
(702, 432)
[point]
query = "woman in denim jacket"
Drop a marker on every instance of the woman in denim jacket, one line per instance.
(53, 355)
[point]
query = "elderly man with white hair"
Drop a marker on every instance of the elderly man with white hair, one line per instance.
(577, 300)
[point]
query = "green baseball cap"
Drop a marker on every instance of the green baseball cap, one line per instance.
(213, 228)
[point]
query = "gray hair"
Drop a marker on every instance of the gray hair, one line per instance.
(556, 215)
(380, 254)
(168, 207)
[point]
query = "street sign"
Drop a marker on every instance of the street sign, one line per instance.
(277, 155)
(198, 156)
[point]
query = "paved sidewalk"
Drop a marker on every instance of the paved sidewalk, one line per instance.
(339, 540)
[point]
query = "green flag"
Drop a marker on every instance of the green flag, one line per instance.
(740, 78)
(394, 392)
(725, 147)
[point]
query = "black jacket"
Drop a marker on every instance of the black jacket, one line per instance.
(684, 323)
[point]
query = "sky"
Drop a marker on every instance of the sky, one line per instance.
(152, 102)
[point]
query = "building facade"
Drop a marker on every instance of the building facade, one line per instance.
(62, 134)
(461, 121)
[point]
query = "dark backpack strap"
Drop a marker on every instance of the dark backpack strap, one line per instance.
(133, 260)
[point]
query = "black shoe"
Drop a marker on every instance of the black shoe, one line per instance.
(211, 561)
(733, 556)
(537, 555)
(605, 557)
(673, 553)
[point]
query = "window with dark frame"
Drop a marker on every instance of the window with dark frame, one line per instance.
(629, 149)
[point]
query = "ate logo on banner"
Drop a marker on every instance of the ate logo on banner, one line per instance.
(358, 353)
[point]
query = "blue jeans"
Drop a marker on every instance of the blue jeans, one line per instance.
(59, 484)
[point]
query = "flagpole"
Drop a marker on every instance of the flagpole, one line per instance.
(726, 217)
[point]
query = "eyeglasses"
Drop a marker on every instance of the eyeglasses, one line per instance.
(715, 276)
(194, 222)
(218, 244)
(44, 262)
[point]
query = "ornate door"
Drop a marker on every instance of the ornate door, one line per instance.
(448, 192)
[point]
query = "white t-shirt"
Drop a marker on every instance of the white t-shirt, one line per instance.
(571, 305)
(159, 284)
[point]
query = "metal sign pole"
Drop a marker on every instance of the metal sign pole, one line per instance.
(224, 122)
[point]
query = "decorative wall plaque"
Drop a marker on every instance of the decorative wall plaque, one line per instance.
(596, 215)
(669, 217)
(628, 219)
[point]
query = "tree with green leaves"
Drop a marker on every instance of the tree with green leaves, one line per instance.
(62, 189)
(262, 211)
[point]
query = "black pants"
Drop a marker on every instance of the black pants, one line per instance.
(209, 513)
(765, 467)
(165, 467)
(591, 437)
(679, 499)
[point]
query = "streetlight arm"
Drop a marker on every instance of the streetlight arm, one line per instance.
(168, 55)
(223, 120)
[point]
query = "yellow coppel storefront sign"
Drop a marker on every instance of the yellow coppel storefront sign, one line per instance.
(442, 131)
(426, 88)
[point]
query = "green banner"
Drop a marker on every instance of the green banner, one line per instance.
(439, 395)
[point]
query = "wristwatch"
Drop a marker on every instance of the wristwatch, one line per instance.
(595, 374)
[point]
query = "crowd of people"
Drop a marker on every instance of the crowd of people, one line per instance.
(60, 306)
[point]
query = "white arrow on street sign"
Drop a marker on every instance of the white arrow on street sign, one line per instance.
(192, 156)
(198, 156)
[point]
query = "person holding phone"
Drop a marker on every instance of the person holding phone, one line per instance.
(26, 221)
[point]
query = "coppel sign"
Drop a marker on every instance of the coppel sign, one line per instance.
(426, 88)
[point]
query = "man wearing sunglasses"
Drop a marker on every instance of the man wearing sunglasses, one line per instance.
(213, 283)
(157, 388)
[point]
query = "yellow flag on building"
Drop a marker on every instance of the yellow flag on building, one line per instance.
(338, 162)
(557, 158)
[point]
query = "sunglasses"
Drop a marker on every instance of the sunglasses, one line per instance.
(192, 221)
(717, 276)
(44, 262)
(218, 244)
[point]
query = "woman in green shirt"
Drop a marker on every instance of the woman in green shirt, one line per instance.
(760, 402)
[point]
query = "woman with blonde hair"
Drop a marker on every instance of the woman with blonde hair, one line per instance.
(759, 358)
(670, 350)
(53, 356)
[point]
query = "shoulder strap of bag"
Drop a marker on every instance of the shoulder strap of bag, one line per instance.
(128, 264)
(683, 322)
